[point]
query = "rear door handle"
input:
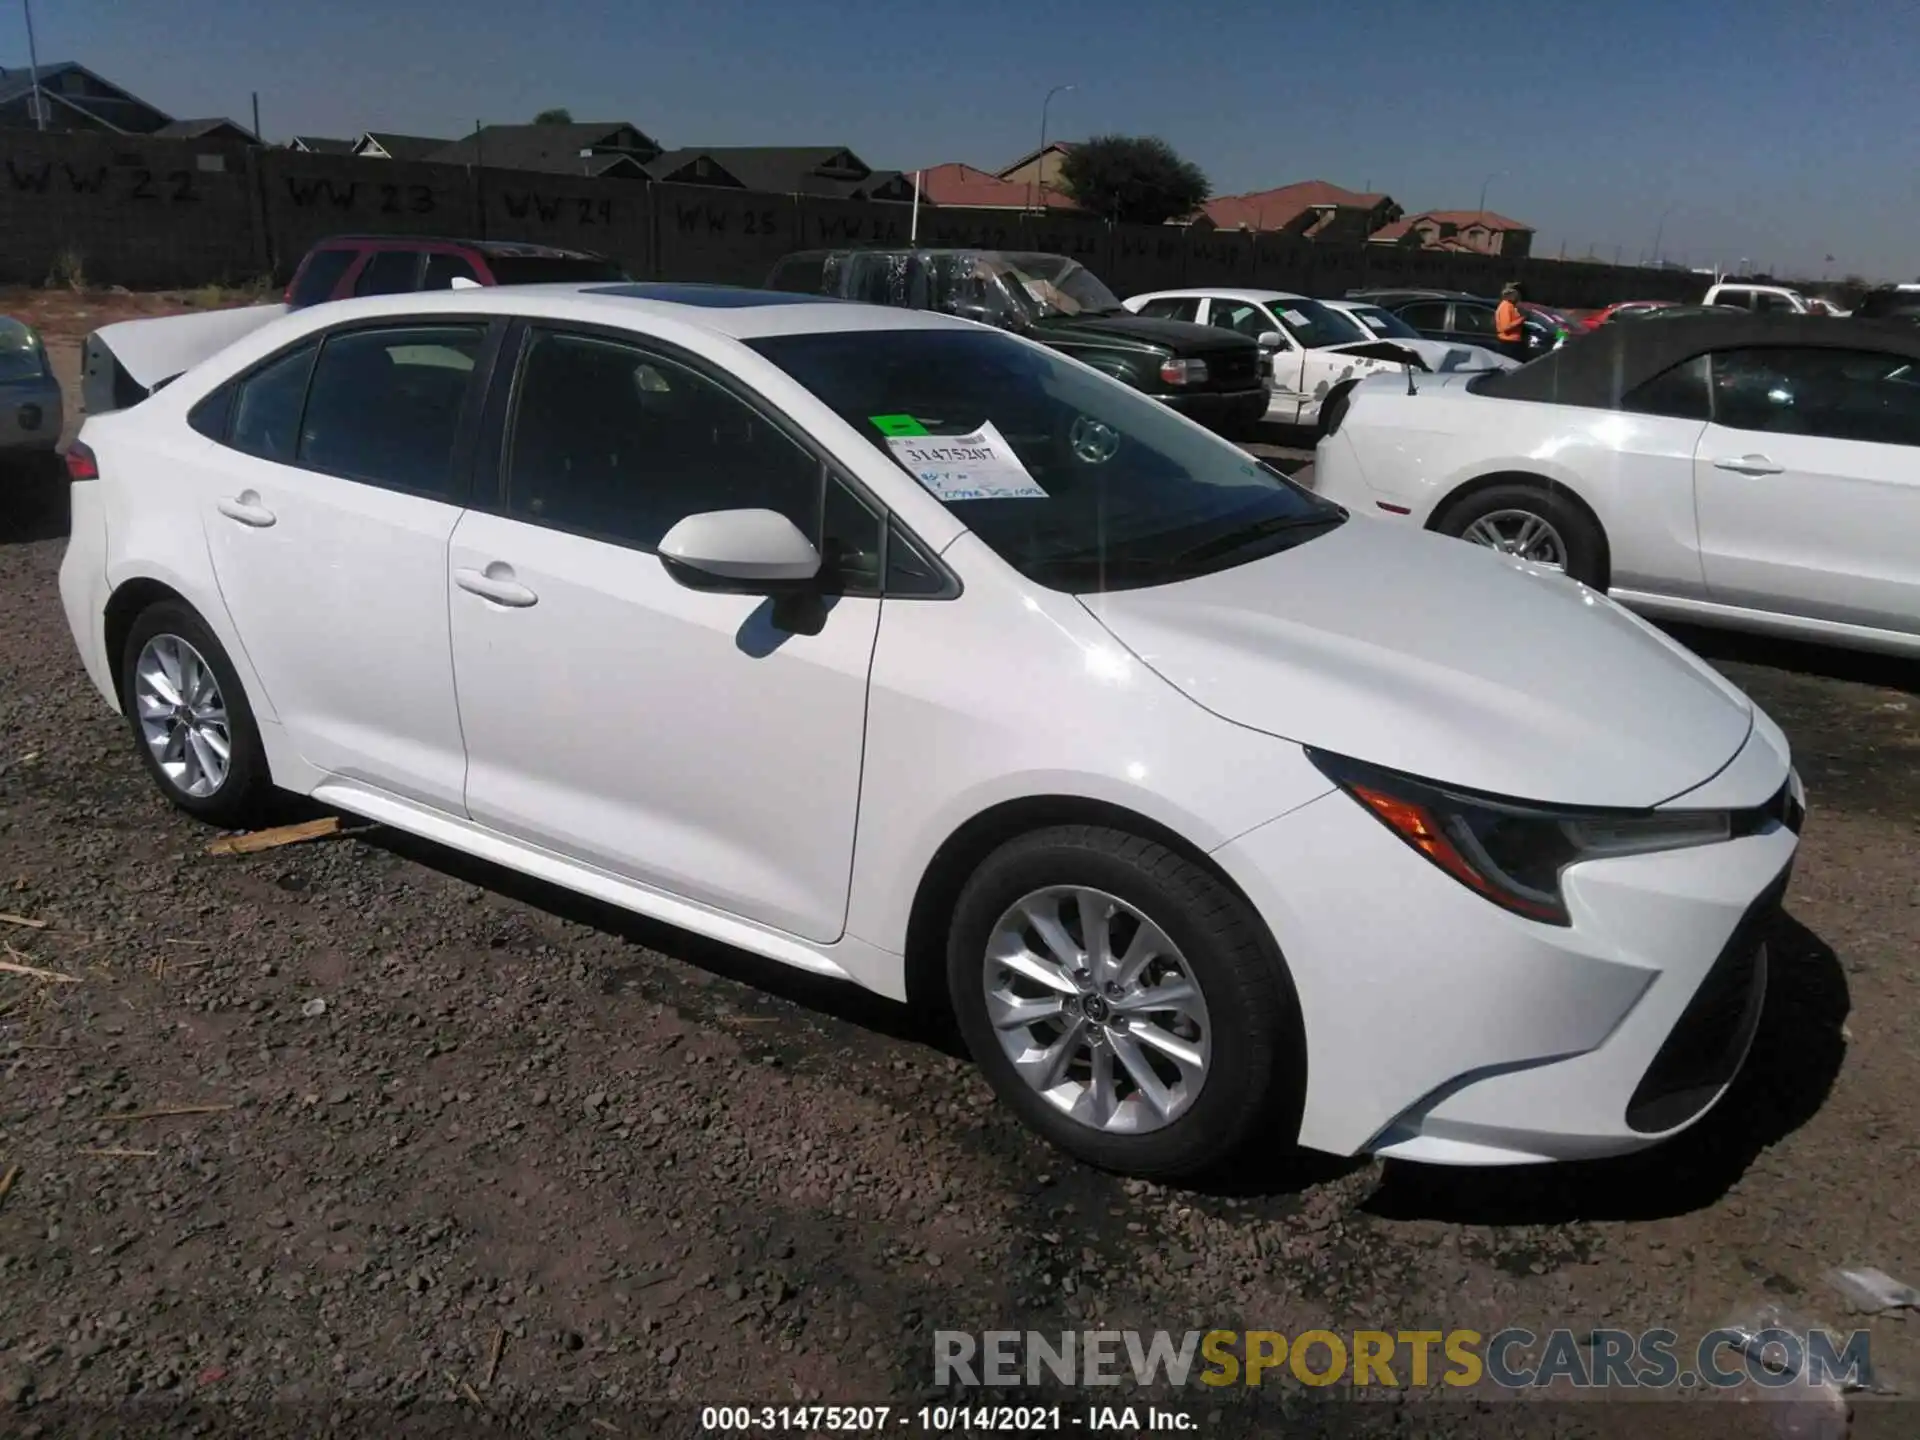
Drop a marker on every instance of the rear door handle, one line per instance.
(495, 583)
(1748, 465)
(247, 509)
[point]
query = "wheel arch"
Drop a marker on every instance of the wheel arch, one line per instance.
(124, 606)
(1532, 479)
(962, 852)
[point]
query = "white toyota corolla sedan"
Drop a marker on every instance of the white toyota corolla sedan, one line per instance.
(904, 650)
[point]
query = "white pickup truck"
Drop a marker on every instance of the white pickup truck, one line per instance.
(1762, 299)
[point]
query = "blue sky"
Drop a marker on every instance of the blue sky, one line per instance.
(1776, 131)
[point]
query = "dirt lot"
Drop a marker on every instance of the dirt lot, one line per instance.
(470, 1145)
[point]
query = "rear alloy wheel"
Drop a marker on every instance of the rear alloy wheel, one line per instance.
(1124, 1002)
(1521, 533)
(1531, 523)
(190, 718)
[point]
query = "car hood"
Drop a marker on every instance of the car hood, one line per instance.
(1443, 660)
(1438, 356)
(1179, 336)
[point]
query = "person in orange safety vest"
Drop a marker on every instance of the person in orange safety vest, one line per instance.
(1510, 324)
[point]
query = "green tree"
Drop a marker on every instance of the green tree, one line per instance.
(1138, 179)
(559, 115)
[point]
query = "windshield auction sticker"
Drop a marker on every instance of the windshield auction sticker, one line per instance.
(979, 465)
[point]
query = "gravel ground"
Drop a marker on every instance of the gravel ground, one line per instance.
(479, 1148)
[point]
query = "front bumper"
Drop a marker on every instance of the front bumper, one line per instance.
(1441, 1028)
(1221, 409)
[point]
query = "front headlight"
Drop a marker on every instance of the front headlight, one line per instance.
(1511, 851)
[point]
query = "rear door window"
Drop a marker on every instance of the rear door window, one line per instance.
(1472, 320)
(444, 267)
(385, 406)
(388, 272)
(1171, 307)
(552, 270)
(1427, 316)
(320, 276)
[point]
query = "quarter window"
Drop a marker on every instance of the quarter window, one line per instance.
(266, 412)
(1680, 393)
(322, 273)
(385, 405)
(1836, 394)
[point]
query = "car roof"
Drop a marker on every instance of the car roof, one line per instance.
(1224, 292)
(501, 248)
(1615, 359)
(734, 311)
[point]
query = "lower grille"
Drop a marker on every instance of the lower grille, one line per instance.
(1712, 1034)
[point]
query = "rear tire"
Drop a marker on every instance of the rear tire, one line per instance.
(190, 719)
(1223, 1069)
(1531, 521)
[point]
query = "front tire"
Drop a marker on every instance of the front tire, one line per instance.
(1534, 522)
(190, 718)
(1125, 1003)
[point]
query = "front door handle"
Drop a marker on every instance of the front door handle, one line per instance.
(247, 509)
(495, 583)
(1748, 465)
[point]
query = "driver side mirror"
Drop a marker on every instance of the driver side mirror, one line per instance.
(1271, 340)
(740, 552)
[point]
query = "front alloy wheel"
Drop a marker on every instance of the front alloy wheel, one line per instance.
(1125, 1003)
(1097, 1009)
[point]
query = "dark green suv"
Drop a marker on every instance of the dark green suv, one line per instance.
(1209, 374)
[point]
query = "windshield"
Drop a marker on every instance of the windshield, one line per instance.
(21, 357)
(1384, 322)
(1078, 482)
(1055, 285)
(1314, 325)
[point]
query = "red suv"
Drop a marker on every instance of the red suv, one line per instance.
(394, 264)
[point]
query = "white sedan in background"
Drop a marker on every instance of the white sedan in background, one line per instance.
(907, 651)
(1759, 472)
(1316, 348)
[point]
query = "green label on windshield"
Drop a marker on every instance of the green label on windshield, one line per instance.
(897, 425)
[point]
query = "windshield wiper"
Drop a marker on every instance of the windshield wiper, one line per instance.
(1245, 535)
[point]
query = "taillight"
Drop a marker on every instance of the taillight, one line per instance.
(1184, 372)
(80, 463)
